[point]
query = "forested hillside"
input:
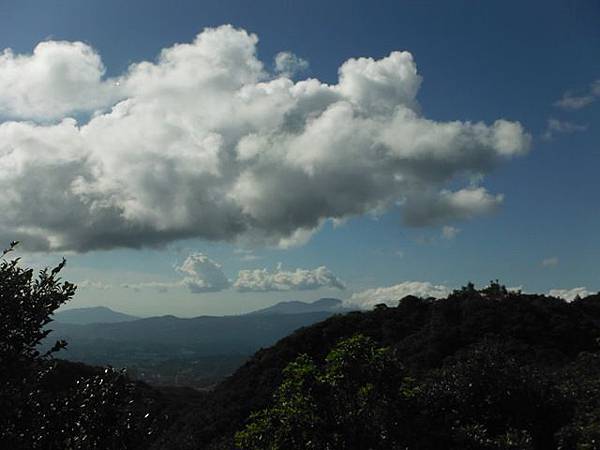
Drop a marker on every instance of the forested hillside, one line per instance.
(523, 365)
(480, 369)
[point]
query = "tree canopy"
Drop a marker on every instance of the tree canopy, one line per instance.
(41, 406)
(480, 369)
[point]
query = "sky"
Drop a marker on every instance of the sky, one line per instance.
(215, 157)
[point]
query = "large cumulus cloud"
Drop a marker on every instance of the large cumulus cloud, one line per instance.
(205, 142)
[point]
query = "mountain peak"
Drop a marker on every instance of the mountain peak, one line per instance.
(92, 314)
(327, 302)
(297, 307)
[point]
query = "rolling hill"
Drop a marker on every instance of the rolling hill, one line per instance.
(333, 305)
(95, 314)
(164, 350)
(542, 332)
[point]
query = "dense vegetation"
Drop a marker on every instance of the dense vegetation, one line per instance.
(44, 406)
(481, 369)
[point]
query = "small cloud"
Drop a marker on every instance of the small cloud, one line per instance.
(449, 232)
(298, 238)
(424, 240)
(575, 102)
(556, 126)
(245, 255)
(249, 257)
(288, 64)
(202, 274)
(430, 208)
(261, 280)
(160, 286)
(571, 101)
(550, 262)
(91, 284)
(569, 294)
(390, 295)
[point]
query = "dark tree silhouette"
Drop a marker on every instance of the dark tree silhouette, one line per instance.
(357, 399)
(40, 407)
(482, 369)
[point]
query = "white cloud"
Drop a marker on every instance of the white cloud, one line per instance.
(246, 255)
(429, 208)
(550, 262)
(392, 294)
(570, 294)
(555, 126)
(288, 64)
(571, 101)
(261, 280)
(206, 143)
(449, 232)
(160, 286)
(93, 284)
(202, 274)
(58, 78)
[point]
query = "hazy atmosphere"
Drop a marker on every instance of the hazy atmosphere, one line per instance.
(218, 157)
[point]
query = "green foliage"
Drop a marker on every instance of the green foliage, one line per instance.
(486, 398)
(360, 397)
(483, 369)
(25, 307)
(354, 400)
(38, 410)
(581, 385)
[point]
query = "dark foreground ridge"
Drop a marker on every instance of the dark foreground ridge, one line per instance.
(95, 314)
(556, 340)
(487, 369)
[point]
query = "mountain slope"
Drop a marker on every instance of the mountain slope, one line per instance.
(97, 314)
(298, 307)
(167, 337)
(545, 331)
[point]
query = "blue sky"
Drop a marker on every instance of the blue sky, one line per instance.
(479, 61)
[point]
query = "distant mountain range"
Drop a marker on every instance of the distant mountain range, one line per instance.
(198, 350)
(173, 337)
(96, 314)
(448, 338)
(102, 314)
(296, 307)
